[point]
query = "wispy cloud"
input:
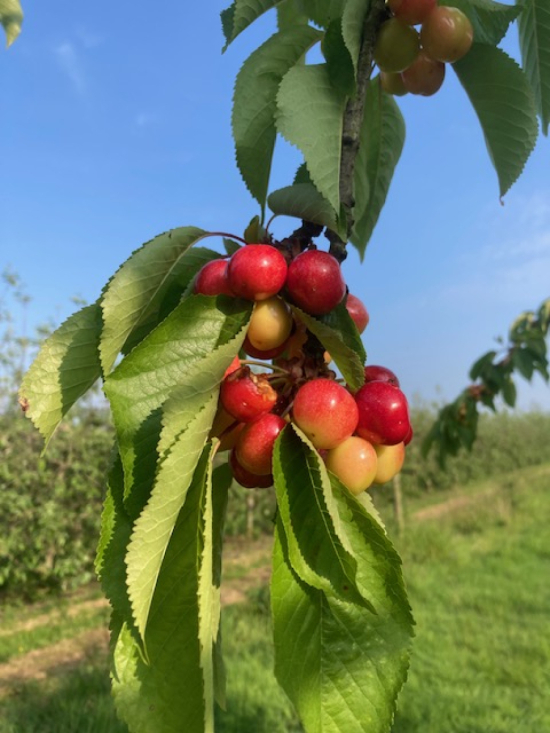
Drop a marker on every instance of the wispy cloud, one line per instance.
(69, 61)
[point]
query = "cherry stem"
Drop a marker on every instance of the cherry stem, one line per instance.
(268, 366)
(228, 236)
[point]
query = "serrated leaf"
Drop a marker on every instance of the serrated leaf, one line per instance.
(139, 285)
(289, 14)
(302, 175)
(240, 14)
(342, 665)
(323, 12)
(341, 342)
(353, 21)
(189, 350)
(504, 103)
(381, 144)
(305, 202)
(11, 17)
(306, 94)
(66, 367)
(255, 105)
(490, 20)
(534, 41)
(176, 684)
(340, 66)
(523, 362)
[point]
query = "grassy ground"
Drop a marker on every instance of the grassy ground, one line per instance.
(481, 664)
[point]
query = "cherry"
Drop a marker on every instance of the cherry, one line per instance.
(409, 436)
(396, 47)
(212, 279)
(246, 478)
(354, 462)
(392, 83)
(257, 271)
(226, 428)
(411, 12)
(358, 312)
(235, 364)
(390, 461)
(326, 412)
(424, 76)
(254, 447)
(383, 413)
(246, 395)
(263, 354)
(270, 324)
(375, 373)
(446, 34)
(315, 282)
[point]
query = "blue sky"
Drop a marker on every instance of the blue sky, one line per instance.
(115, 126)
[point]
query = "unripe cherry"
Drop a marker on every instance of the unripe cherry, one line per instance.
(392, 83)
(390, 461)
(412, 12)
(326, 412)
(245, 478)
(396, 46)
(354, 462)
(257, 271)
(246, 395)
(447, 34)
(358, 312)
(315, 282)
(212, 279)
(424, 76)
(376, 373)
(261, 353)
(383, 413)
(254, 447)
(270, 324)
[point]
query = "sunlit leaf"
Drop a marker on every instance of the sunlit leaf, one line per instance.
(240, 14)
(11, 17)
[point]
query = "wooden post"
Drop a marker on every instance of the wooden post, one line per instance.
(398, 504)
(250, 506)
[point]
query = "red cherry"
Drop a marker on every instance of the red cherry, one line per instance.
(383, 413)
(375, 373)
(246, 395)
(235, 364)
(358, 312)
(409, 436)
(424, 76)
(315, 282)
(212, 279)
(326, 412)
(446, 34)
(257, 271)
(247, 479)
(411, 12)
(254, 448)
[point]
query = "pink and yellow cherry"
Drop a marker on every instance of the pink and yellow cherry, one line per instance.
(383, 413)
(270, 324)
(256, 272)
(376, 373)
(358, 312)
(354, 462)
(326, 412)
(411, 12)
(246, 396)
(212, 279)
(396, 47)
(254, 447)
(424, 76)
(246, 478)
(390, 461)
(263, 354)
(315, 282)
(392, 83)
(446, 34)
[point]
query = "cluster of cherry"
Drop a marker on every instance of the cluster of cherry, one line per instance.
(360, 436)
(412, 61)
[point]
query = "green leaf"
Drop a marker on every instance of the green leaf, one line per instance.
(306, 94)
(140, 285)
(339, 339)
(175, 682)
(240, 14)
(305, 202)
(189, 350)
(490, 20)
(316, 552)
(504, 103)
(11, 17)
(340, 66)
(353, 21)
(382, 140)
(255, 103)
(342, 665)
(522, 360)
(480, 366)
(302, 175)
(323, 12)
(509, 392)
(289, 14)
(534, 41)
(65, 368)
(230, 246)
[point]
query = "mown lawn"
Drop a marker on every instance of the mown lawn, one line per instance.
(477, 578)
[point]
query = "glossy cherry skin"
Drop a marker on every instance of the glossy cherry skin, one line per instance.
(392, 83)
(247, 396)
(212, 279)
(254, 447)
(446, 34)
(390, 462)
(383, 413)
(315, 282)
(245, 478)
(424, 76)
(256, 272)
(354, 462)
(396, 47)
(270, 324)
(412, 12)
(376, 373)
(326, 412)
(358, 312)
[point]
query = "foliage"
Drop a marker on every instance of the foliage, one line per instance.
(11, 17)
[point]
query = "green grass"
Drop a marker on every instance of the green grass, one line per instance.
(481, 659)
